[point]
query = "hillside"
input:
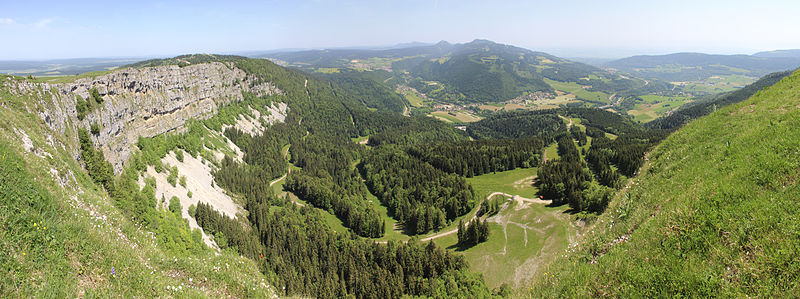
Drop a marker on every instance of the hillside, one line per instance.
(480, 71)
(704, 72)
(793, 53)
(61, 233)
(713, 212)
(708, 104)
(181, 154)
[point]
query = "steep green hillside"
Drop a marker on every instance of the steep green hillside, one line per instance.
(708, 104)
(714, 212)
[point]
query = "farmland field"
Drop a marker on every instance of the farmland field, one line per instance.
(577, 90)
(455, 117)
(654, 106)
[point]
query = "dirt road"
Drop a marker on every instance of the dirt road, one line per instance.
(466, 223)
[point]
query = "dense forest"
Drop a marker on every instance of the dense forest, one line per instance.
(422, 197)
(368, 88)
(302, 255)
(471, 158)
(517, 125)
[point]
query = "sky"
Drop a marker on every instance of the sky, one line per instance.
(35, 30)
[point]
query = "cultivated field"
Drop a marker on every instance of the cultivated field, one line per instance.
(455, 116)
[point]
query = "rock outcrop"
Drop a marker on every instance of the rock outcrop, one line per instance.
(142, 101)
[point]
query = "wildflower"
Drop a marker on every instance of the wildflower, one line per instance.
(113, 271)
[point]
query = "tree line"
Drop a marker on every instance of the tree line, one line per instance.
(471, 158)
(422, 197)
(301, 255)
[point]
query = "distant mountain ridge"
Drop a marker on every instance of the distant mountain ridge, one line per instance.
(793, 53)
(480, 71)
(699, 66)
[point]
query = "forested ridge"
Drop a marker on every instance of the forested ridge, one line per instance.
(471, 158)
(301, 252)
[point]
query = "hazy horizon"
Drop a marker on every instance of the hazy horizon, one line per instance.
(573, 28)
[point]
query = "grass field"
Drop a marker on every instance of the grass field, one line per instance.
(514, 106)
(492, 107)
(654, 106)
(327, 70)
(459, 117)
(515, 181)
(551, 152)
(413, 98)
(578, 91)
(523, 237)
(716, 84)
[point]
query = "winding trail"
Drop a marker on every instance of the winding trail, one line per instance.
(288, 168)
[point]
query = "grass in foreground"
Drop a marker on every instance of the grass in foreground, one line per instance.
(61, 236)
(713, 214)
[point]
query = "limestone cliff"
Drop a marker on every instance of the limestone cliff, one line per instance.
(140, 101)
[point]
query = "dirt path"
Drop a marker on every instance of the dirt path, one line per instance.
(466, 223)
(520, 198)
(288, 168)
(569, 125)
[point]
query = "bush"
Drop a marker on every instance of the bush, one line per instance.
(179, 155)
(96, 96)
(189, 194)
(173, 176)
(183, 181)
(192, 210)
(175, 205)
(81, 107)
(95, 128)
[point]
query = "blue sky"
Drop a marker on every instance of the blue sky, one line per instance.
(69, 29)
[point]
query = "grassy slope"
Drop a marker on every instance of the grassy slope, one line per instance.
(86, 235)
(713, 214)
(534, 233)
(578, 90)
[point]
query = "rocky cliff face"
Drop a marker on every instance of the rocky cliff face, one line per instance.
(142, 102)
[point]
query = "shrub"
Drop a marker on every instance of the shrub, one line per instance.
(192, 210)
(183, 181)
(175, 205)
(173, 176)
(95, 128)
(179, 155)
(81, 107)
(189, 194)
(96, 96)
